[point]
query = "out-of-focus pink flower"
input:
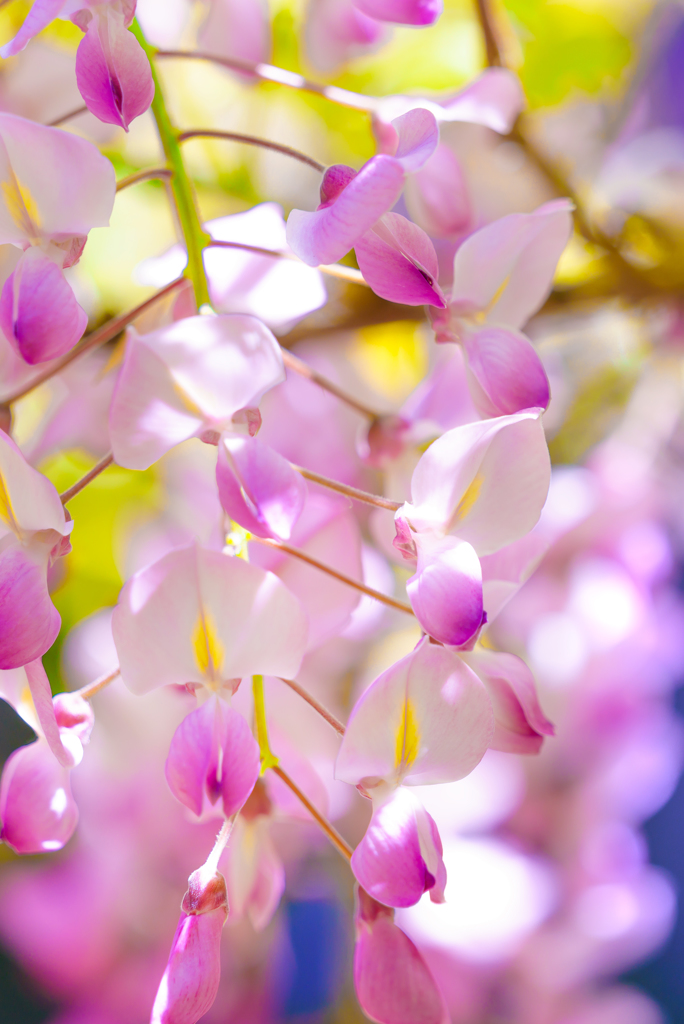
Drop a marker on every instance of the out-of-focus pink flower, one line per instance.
(237, 29)
(255, 875)
(478, 488)
(33, 532)
(425, 720)
(190, 982)
(502, 274)
(437, 196)
(200, 617)
(258, 488)
(337, 31)
(188, 380)
(393, 983)
(402, 12)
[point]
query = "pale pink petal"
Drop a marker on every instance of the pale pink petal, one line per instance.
(400, 856)
(504, 572)
(198, 615)
(336, 31)
(399, 262)
(254, 873)
(258, 488)
(426, 720)
(39, 314)
(29, 502)
(506, 269)
(437, 196)
(494, 100)
(41, 694)
(54, 184)
(520, 723)
(326, 235)
(446, 590)
(417, 136)
(485, 482)
(237, 29)
(506, 373)
(112, 71)
(42, 12)
(393, 983)
(402, 12)
(29, 622)
(214, 754)
(37, 809)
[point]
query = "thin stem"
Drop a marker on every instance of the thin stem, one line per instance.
(331, 832)
(268, 758)
(350, 492)
(489, 33)
(67, 117)
(212, 861)
(332, 269)
(315, 704)
(298, 365)
(92, 688)
(98, 468)
(269, 73)
(251, 140)
(286, 549)
(99, 337)
(194, 235)
(149, 174)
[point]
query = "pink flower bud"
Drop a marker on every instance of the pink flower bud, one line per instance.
(191, 979)
(393, 983)
(37, 809)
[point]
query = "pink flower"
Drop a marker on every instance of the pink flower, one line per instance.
(255, 875)
(393, 983)
(402, 12)
(258, 488)
(238, 29)
(337, 31)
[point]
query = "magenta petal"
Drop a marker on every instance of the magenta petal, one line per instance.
(112, 72)
(29, 622)
(190, 982)
(400, 856)
(446, 590)
(509, 375)
(399, 262)
(213, 752)
(393, 983)
(417, 138)
(258, 488)
(41, 14)
(520, 723)
(402, 12)
(37, 809)
(326, 235)
(41, 695)
(39, 314)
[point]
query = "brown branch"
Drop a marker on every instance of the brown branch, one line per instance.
(332, 269)
(98, 468)
(489, 33)
(99, 337)
(148, 174)
(251, 140)
(331, 832)
(298, 365)
(92, 688)
(296, 553)
(66, 117)
(316, 705)
(351, 492)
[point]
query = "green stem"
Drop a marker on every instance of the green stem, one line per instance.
(268, 758)
(196, 239)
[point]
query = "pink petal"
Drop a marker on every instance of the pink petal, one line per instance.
(402, 12)
(29, 622)
(39, 314)
(37, 809)
(112, 72)
(426, 720)
(507, 374)
(258, 488)
(399, 262)
(238, 29)
(42, 12)
(446, 590)
(336, 31)
(506, 269)
(254, 873)
(393, 983)
(213, 753)
(30, 501)
(41, 694)
(326, 235)
(400, 856)
(520, 722)
(417, 138)
(437, 196)
(494, 100)
(504, 572)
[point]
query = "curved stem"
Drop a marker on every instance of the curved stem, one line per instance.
(148, 174)
(268, 758)
(98, 468)
(487, 25)
(298, 365)
(99, 337)
(331, 269)
(92, 688)
(350, 492)
(331, 832)
(315, 704)
(67, 117)
(194, 235)
(288, 550)
(251, 140)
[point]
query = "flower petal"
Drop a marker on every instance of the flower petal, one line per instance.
(29, 622)
(399, 262)
(437, 196)
(258, 488)
(417, 135)
(112, 71)
(402, 12)
(42, 12)
(446, 590)
(29, 502)
(506, 373)
(190, 982)
(237, 29)
(336, 31)
(37, 809)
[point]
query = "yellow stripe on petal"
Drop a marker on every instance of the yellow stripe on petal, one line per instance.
(22, 207)
(407, 738)
(207, 646)
(6, 511)
(469, 498)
